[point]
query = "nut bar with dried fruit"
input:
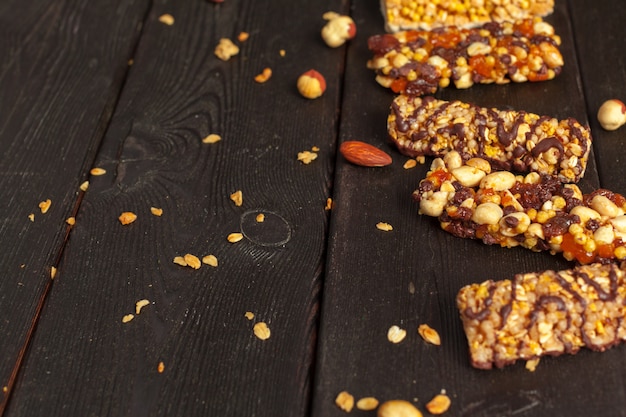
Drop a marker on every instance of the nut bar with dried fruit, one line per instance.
(509, 139)
(428, 14)
(419, 62)
(544, 313)
(533, 211)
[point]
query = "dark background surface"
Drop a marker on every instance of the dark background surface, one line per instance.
(328, 283)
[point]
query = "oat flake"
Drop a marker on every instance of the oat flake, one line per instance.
(367, 403)
(156, 211)
(395, 334)
(345, 401)
(210, 260)
(192, 261)
(385, 227)
(127, 318)
(212, 138)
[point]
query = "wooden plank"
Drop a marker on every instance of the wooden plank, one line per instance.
(57, 88)
(411, 275)
(84, 360)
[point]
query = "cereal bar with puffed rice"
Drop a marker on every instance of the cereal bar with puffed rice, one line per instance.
(508, 139)
(534, 211)
(544, 313)
(429, 14)
(420, 62)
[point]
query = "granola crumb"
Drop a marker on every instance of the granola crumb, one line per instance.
(282, 52)
(345, 401)
(306, 157)
(264, 76)
(210, 260)
(225, 49)
(84, 186)
(212, 138)
(532, 364)
(315, 148)
(53, 272)
(192, 261)
(179, 260)
(420, 159)
(249, 315)
(141, 304)
(237, 198)
(329, 204)
(411, 163)
(71, 221)
(156, 211)
(127, 217)
(243, 36)
(385, 227)
(31, 217)
(439, 404)
(161, 367)
(44, 206)
(234, 237)
(167, 19)
(127, 318)
(97, 171)
(261, 330)
(260, 218)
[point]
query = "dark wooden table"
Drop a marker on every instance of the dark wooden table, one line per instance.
(328, 283)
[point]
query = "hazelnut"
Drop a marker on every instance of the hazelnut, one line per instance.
(311, 84)
(612, 114)
(338, 29)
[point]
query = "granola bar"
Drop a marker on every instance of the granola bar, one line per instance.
(508, 139)
(427, 14)
(544, 313)
(533, 211)
(420, 62)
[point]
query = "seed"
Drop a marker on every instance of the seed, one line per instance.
(306, 157)
(179, 260)
(260, 218)
(386, 227)
(127, 217)
(345, 401)
(71, 221)
(367, 403)
(167, 19)
(140, 304)
(439, 404)
(261, 330)
(97, 171)
(84, 186)
(395, 334)
(398, 408)
(210, 260)
(237, 198)
(234, 237)
(44, 206)
(127, 318)
(156, 211)
(265, 75)
(212, 138)
(429, 334)
(249, 315)
(160, 367)
(411, 163)
(192, 261)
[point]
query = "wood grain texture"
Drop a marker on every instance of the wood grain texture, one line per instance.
(57, 88)
(411, 275)
(178, 92)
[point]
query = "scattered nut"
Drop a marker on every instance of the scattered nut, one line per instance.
(345, 401)
(210, 260)
(234, 237)
(141, 304)
(439, 404)
(243, 36)
(265, 75)
(398, 408)
(156, 211)
(97, 171)
(237, 198)
(612, 114)
(306, 157)
(367, 403)
(261, 330)
(429, 334)
(192, 261)
(311, 84)
(212, 138)
(167, 19)
(338, 29)
(364, 154)
(225, 49)
(395, 334)
(127, 318)
(385, 227)
(44, 206)
(127, 217)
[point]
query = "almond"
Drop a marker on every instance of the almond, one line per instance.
(364, 154)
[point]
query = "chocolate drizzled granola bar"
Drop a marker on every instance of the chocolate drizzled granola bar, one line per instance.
(533, 211)
(509, 140)
(420, 62)
(544, 313)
